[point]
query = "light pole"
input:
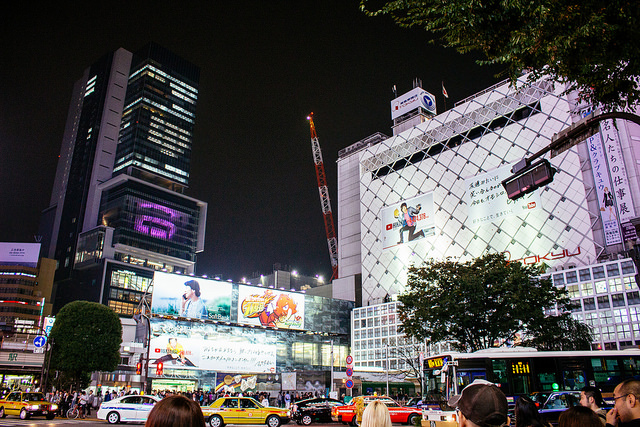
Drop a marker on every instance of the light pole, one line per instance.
(331, 388)
(387, 366)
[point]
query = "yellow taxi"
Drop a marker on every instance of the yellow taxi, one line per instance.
(243, 410)
(27, 404)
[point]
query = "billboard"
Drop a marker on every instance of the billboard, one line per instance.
(411, 100)
(487, 199)
(187, 345)
(185, 296)
(270, 307)
(26, 254)
(407, 220)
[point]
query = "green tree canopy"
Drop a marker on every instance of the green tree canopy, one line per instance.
(592, 44)
(86, 337)
(479, 303)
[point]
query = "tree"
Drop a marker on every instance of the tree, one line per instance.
(408, 354)
(86, 337)
(561, 332)
(592, 45)
(480, 303)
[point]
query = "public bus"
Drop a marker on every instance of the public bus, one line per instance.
(521, 371)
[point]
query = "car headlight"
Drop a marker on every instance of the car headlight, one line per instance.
(33, 407)
(54, 406)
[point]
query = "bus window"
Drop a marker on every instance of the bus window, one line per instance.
(631, 367)
(573, 379)
(500, 374)
(521, 375)
(606, 371)
(467, 377)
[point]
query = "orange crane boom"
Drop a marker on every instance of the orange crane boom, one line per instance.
(332, 241)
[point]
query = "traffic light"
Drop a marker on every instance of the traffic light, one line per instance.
(139, 368)
(159, 368)
(526, 179)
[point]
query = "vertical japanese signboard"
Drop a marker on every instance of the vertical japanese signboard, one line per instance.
(603, 186)
(619, 177)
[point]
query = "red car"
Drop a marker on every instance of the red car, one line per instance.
(346, 414)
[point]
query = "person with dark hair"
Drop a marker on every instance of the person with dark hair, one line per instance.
(527, 415)
(579, 416)
(590, 397)
(407, 219)
(626, 407)
(175, 411)
(192, 305)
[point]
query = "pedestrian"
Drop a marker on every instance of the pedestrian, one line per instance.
(265, 400)
(176, 411)
(287, 400)
(579, 416)
(626, 409)
(590, 397)
(527, 415)
(481, 404)
(376, 414)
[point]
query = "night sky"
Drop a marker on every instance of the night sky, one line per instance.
(264, 66)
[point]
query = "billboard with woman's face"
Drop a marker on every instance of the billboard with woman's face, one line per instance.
(189, 297)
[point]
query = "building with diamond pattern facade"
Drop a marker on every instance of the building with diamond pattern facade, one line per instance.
(443, 172)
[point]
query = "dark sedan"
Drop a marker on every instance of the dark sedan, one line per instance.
(317, 409)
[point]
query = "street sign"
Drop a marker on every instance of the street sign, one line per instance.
(349, 360)
(40, 341)
(349, 372)
(349, 384)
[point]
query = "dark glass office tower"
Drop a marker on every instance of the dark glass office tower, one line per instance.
(157, 123)
(119, 209)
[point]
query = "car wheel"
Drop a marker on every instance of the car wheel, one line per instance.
(273, 421)
(216, 421)
(113, 417)
(306, 420)
(24, 415)
(2, 414)
(51, 416)
(412, 419)
(354, 421)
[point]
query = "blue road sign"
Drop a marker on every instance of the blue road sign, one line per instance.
(40, 341)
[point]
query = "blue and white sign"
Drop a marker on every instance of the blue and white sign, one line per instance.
(411, 100)
(40, 341)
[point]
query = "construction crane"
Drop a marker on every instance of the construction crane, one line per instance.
(324, 199)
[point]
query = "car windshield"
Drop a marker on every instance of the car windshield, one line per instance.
(33, 397)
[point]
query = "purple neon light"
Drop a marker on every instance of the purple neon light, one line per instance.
(154, 226)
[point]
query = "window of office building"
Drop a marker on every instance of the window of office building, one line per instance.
(587, 289)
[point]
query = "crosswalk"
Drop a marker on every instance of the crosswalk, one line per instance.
(13, 422)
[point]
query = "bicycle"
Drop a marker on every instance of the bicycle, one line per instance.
(75, 412)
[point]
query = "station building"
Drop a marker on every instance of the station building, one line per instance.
(446, 171)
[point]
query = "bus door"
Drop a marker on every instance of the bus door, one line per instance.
(521, 376)
(573, 374)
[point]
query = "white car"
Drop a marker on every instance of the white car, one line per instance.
(127, 408)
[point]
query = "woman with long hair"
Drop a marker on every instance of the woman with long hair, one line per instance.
(527, 415)
(376, 414)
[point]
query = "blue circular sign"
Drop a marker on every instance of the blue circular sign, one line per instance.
(349, 372)
(40, 341)
(349, 384)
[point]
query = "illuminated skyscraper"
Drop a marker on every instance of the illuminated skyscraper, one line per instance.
(118, 210)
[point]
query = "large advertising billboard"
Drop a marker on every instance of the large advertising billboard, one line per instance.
(193, 298)
(188, 345)
(26, 254)
(487, 199)
(407, 220)
(270, 307)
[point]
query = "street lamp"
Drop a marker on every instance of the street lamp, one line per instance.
(387, 365)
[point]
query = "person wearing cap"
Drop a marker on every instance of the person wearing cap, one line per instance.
(481, 404)
(192, 305)
(626, 407)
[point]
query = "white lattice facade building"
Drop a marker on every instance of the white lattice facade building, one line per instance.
(448, 169)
